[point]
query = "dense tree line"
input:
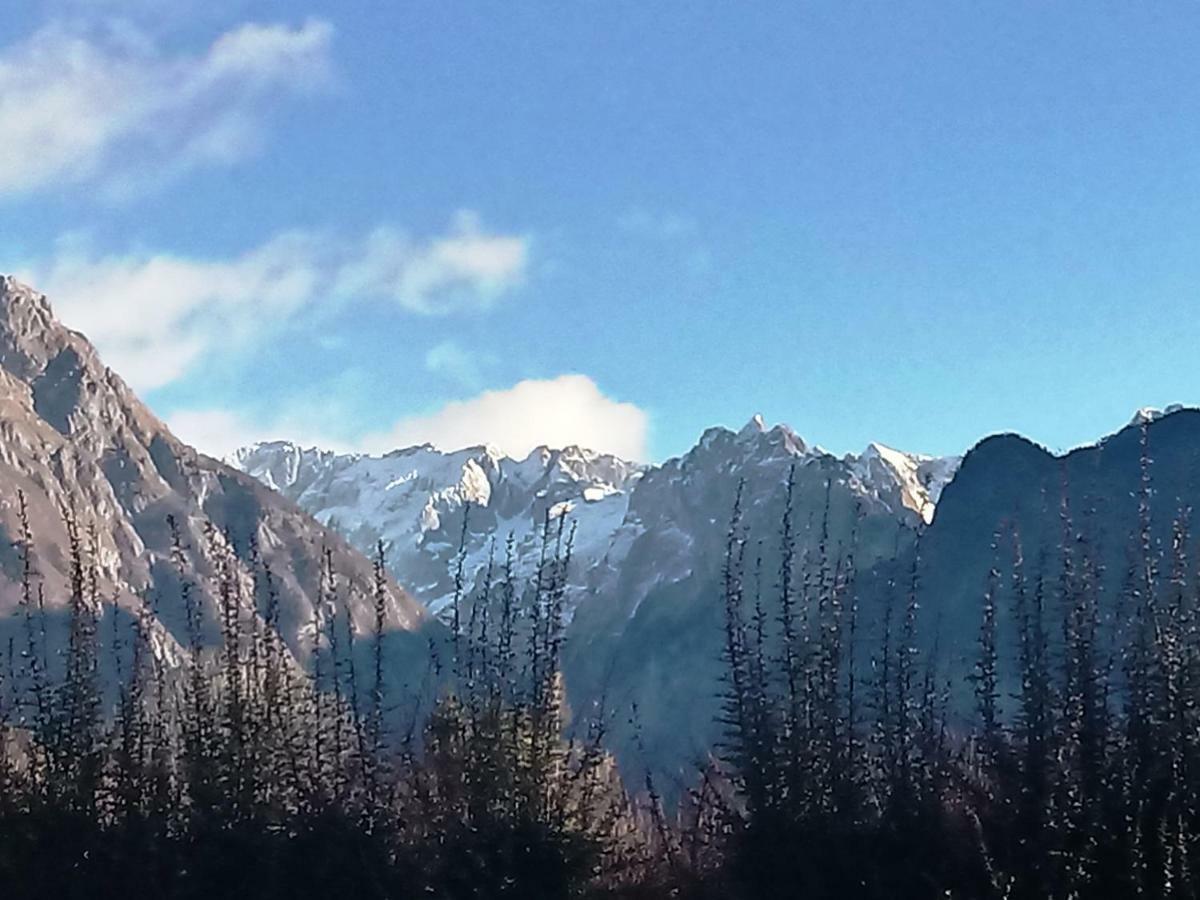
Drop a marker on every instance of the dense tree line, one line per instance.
(848, 770)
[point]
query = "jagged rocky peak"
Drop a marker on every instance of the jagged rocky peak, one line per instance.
(67, 386)
(902, 480)
(916, 479)
(281, 464)
(75, 440)
(1152, 413)
(757, 425)
(583, 466)
(753, 438)
(28, 325)
(414, 499)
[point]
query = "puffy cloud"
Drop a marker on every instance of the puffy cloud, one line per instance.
(87, 104)
(556, 412)
(217, 432)
(154, 316)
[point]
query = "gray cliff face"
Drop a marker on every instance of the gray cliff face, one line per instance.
(74, 439)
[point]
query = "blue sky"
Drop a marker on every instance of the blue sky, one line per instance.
(365, 224)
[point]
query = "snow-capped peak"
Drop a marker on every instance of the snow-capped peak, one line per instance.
(413, 499)
(919, 479)
(1150, 413)
(756, 425)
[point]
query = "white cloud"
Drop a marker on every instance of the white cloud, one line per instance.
(106, 104)
(154, 316)
(557, 412)
(569, 409)
(216, 432)
(466, 268)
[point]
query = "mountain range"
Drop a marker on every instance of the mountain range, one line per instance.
(414, 499)
(646, 598)
(648, 541)
(79, 451)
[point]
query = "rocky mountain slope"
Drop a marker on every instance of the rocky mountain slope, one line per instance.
(76, 442)
(647, 614)
(649, 541)
(413, 499)
(659, 645)
(1107, 503)
(646, 601)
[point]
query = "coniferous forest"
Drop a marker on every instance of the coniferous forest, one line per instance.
(1066, 766)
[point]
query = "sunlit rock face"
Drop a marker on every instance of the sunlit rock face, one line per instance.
(76, 442)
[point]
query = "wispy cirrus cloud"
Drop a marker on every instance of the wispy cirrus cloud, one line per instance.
(154, 316)
(102, 103)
